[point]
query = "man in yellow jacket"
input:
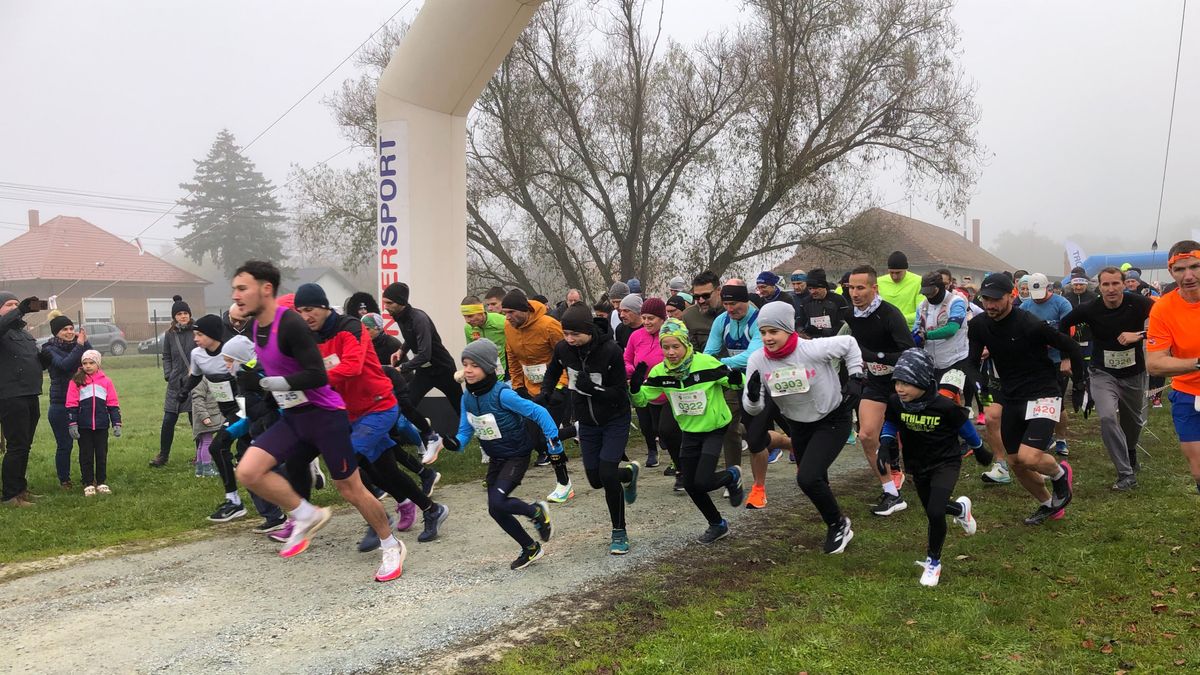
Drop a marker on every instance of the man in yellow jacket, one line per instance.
(900, 287)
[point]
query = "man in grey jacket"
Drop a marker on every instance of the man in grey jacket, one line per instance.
(20, 386)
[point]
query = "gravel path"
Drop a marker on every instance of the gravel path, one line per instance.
(230, 604)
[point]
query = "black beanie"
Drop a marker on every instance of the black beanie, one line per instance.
(817, 279)
(311, 295)
(361, 300)
(578, 319)
(731, 293)
(60, 322)
(897, 261)
(179, 306)
(515, 299)
(212, 326)
(397, 293)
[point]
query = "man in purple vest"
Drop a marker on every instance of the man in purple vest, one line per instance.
(313, 419)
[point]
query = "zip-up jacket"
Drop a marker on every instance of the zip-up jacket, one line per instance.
(20, 364)
(824, 317)
(492, 329)
(353, 368)
(698, 400)
(423, 342)
(642, 348)
(600, 361)
(62, 361)
(177, 345)
(205, 406)
(530, 349)
(739, 338)
(804, 384)
(498, 417)
(95, 404)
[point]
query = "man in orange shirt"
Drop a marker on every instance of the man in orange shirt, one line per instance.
(1173, 347)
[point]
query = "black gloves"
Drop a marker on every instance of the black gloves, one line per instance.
(29, 305)
(638, 377)
(754, 387)
(853, 389)
(887, 455)
(585, 385)
(248, 380)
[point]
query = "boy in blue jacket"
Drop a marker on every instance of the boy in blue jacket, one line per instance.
(496, 414)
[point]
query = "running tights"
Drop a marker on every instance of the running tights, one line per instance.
(934, 487)
(817, 445)
(386, 473)
(666, 429)
(698, 457)
(609, 476)
(649, 424)
(504, 509)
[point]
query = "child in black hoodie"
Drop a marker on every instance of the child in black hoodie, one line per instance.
(595, 366)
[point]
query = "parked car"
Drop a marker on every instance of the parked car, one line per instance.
(105, 337)
(151, 345)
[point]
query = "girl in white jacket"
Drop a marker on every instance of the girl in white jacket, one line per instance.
(801, 377)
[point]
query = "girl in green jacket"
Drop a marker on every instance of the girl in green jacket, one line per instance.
(694, 385)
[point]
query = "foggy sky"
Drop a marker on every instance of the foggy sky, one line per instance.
(121, 97)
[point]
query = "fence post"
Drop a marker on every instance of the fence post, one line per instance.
(158, 352)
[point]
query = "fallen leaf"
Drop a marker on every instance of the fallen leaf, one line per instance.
(1053, 594)
(1184, 612)
(1157, 594)
(1181, 662)
(1169, 636)
(1006, 566)
(754, 561)
(722, 614)
(986, 657)
(1014, 657)
(1088, 644)
(961, 557)
(1173, 591)
(910, 622)
(1175, 549)
(577, 644)
(1192, 595)
(1158, 608)
(1105, 648)
(1121, 672)
(1132, 628)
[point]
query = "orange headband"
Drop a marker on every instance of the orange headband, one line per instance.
(1180, 256)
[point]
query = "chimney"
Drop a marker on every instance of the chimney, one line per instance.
(975, 231)
(34, 218)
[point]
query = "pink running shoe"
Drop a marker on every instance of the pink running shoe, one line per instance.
(282, 534)
(303, 531)
(406, 515)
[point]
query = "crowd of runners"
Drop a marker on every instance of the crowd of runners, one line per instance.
(287, 393)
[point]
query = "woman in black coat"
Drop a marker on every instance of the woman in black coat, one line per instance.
(62, 354)
(177, 345)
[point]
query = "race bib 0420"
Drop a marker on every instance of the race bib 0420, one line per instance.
(485, 426)
(689, 403)
(1047, 408)
(788, 381)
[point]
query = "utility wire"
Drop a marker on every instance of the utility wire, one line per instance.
(1162, 190)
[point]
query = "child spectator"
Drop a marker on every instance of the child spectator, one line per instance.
(207, 420)
(92, 407)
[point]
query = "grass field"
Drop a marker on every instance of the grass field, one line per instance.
(1110, 588)
(146, 503)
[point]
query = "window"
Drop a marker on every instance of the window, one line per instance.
(160, 305)
(97, 310)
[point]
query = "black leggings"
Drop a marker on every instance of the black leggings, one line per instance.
(666, 428)
(649, 425)
(93, 456)
(386, 473)
(698, 457)
(222, 455)
(934, 487)
(501, 507)
(424, 379)
(166, 436)
(817, 445)
(610, 476)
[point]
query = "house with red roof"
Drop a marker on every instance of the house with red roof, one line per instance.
(94, 277)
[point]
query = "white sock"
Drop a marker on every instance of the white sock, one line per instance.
(890, 488)
(390, 542)
(234, 497)
(1059, 474)
(406, 501)
(305, 511)
(1046, 503)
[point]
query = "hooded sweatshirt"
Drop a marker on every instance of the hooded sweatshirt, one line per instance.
(602, 362)
(643, 348)
(352, 366)
(95, 404)
(530, 349)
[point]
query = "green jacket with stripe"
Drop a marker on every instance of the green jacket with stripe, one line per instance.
(698, 400)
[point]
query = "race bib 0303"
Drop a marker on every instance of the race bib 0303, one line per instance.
(485, 426)
(788, 381)
(690, 403)
(1044, 408)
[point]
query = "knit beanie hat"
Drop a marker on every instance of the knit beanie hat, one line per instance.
(90, 355)
(673, 328)
(897, 261)
(374, 321)
(484, 353)
(768, 278)
(515, 299)
(5, 296)
(633, 303)
(397, 292)
(677, 302)
(239, 348)
(635, 286)
(915, 366)
(653, 306)
(817, 279)
(212, 326)
(311, 295)
(359, 301)
(778, 314)
(179, 306)
(618, 290)
(731, 293)
(59, 321)
(677, 284)
(578, 319)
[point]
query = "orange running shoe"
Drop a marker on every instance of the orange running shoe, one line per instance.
(757, 498)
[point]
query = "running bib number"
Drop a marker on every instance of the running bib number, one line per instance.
(573, 377)
(485, 426)
(535, 374)
(289, 399)
(736, 352)
(820, 322)
(222, 391)
(788, 381)
(689, 403)
(955, 378)
(879, 369)
(1119, 359)
(332, 361)
(1043, 408)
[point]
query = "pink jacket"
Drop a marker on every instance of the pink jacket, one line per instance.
(643, 348)
(95, 404)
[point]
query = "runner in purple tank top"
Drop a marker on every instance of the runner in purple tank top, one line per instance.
(313, 420)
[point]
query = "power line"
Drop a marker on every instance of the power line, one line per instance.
(1162, 190)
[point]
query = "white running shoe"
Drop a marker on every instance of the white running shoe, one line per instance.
(318, 476)
(997, 475)
(103, 489)
(561, 493)
(966, 519)
(302, 532)
(392, 565)
(432, 448)
(930, 573)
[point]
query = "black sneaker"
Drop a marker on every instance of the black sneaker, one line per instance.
(1125, 484)
(1043, 514)
(369, 542)
(1063, 487)
(838, 536)
(429, 478)
(542, 460)
(541, 521)
(670, 470)
(227, 511)
(269, 525)
(528, 555)
(434, 518)
(714, 532)
(737, 494)
(651, 461)
(679, 483)
(889, 504)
